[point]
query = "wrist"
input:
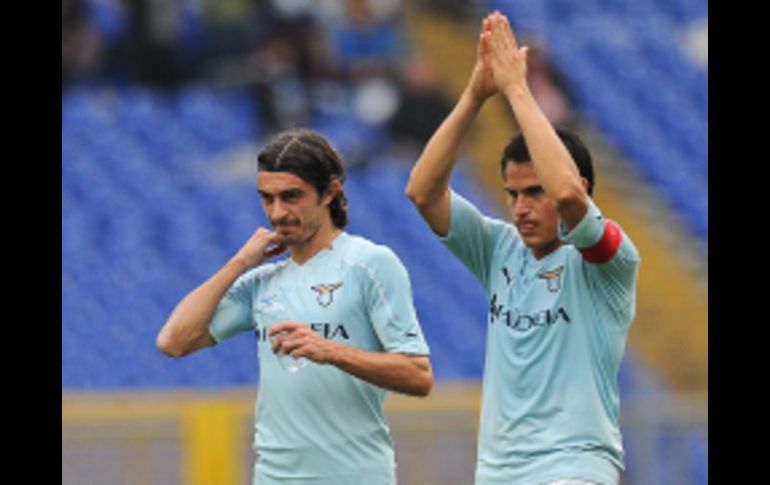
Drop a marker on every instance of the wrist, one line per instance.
(239, 264)
(472, 100)
(516, 91)
(335, 353)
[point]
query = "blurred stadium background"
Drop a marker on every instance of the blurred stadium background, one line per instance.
(164, 106)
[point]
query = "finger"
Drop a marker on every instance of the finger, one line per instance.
(524, 52)
(480, 46)
(264, 232)
(497, 26)
(486, 27)
(262, 237)
(283, 327)
(502, 34)
(274, 250)
(300, 352)
(486, 24)
(497, 41)
(510, 34)
(297, 347)
(287, 346)
(484, 45)
(276, 342)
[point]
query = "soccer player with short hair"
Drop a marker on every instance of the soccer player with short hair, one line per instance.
(561, 282)
(340, 302)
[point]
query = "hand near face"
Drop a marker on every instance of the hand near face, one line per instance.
(262, 245)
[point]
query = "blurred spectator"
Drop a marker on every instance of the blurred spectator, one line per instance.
(150, 49)
(281, 87)
(287, 63)
(422, 107)
(461, 10)
(80, 43)
(228, 24)
(696, 43)
(367, 46)
(548, 85)
(370, 43)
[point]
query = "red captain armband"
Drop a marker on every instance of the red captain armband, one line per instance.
(607, 247)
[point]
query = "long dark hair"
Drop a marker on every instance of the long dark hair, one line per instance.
(308, 155)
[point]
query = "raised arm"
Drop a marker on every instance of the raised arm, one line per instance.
(553, 164)
(187, 328)
(428, 186)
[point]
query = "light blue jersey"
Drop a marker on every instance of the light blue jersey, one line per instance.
(320, 425)
(556, 334)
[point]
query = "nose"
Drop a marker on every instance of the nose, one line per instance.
(521, 206)
(277, 211)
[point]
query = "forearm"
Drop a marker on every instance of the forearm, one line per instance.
(430, 176)
(553, 164)
(397, 372)
(186, 329)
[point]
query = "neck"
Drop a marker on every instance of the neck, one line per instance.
(322, 239)
(543, 251)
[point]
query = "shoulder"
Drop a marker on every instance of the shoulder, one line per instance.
(467, 219)
(263, 272)
(599, 240)
(371, 260)
(362, 251)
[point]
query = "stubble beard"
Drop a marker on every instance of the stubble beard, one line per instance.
(307, 233)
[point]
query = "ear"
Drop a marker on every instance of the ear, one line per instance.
(585, 183)
(335, 187)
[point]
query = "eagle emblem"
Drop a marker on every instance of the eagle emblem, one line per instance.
(325, 293)
(552, 278)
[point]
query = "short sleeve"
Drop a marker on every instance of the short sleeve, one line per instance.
(599, 240)
(473, 237)
(388, 294)
(610, 256)
(588, 231)
(233, 314)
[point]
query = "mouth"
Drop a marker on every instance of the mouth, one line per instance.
(284, 226)
(526, 227)
(284, 231)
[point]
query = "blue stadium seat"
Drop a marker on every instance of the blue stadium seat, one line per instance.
(137, 235)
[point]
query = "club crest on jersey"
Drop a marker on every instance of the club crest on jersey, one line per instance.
(552, 278)
(325, 293)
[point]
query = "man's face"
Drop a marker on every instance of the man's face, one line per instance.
(534, 214)
(293, 206)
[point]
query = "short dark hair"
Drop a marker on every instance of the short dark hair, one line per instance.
(517, 152)
(308, 155)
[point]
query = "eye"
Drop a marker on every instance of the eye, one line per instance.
(291, 196)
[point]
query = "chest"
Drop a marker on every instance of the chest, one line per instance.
(329, 300)
(529, 296)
